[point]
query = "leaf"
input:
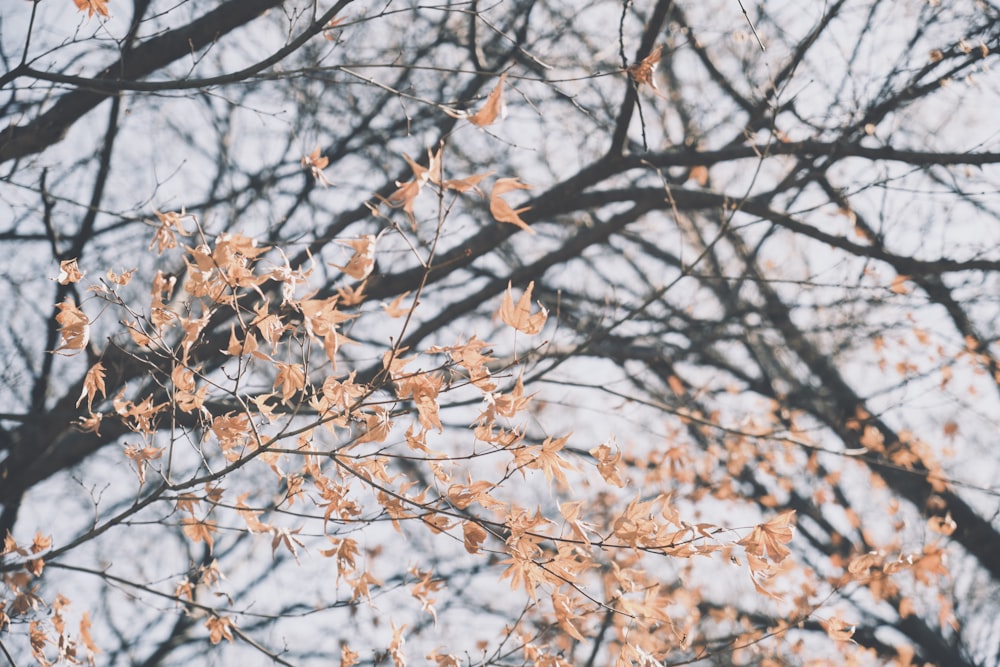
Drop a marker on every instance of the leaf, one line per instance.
(85, 637)
(473, 536)
(316, 163)
(944, 525)
(69, 272)
(219, 628)
(501, 210)
(74, 327)
(362, 261)
(287, 537)
(899, 285)
(519, 316)
(291, 378)
(699, 175)
(768, 540)
(494, 106)
(838, 629)
(141, 456)
(642, 71)
(395, 308)
(93, 7)
(198, 531)
(93, 383)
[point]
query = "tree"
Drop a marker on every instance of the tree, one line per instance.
(528, 333)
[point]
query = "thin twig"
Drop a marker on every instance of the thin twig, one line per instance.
(752, 28)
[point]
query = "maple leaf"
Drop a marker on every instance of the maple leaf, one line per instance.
(316, 163)
(408, 190)
(551, 464)
(249, 515)
(142, 455)
(493, 107)
(394, 309)
(219, 628)
(466, 184)
(362, 261)
(642, 71)
(473, 535)
(565, 615)
(165, 236)
(198, 531)
(396, 645)
(287, 537)
(291, 378)
(607, 464)
(501, 210)
(93, 382)
(519, 316)
(768, 540)
(74, 327)
(348, 658)
(69, 272)
(93, 7)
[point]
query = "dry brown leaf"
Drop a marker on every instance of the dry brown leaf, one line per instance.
(501, 210)
(93, 383)
(74, 327)
(316, 163)
(362, 261)
(768, 540)
(642, 71)
(519, 316)
(488, 114)
(69, 272)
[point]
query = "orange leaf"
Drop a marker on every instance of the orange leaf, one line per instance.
(93, 7)
(520, 316)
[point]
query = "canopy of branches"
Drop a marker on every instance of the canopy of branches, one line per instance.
(536, 332)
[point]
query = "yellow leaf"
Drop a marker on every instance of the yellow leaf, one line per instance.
(519, 316)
